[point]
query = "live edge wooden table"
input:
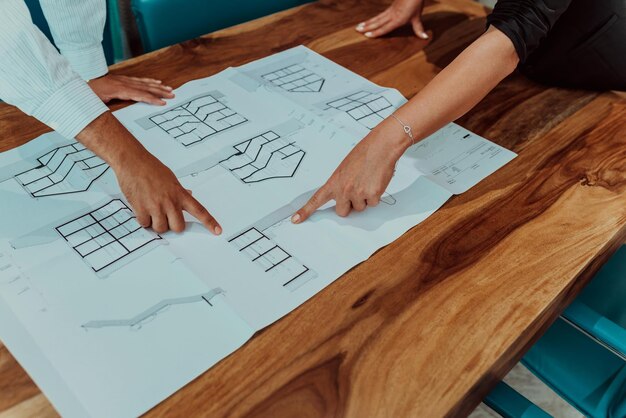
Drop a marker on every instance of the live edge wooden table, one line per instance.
(429, 324)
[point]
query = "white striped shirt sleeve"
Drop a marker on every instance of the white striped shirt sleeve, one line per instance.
(77, 27)
(37, 79)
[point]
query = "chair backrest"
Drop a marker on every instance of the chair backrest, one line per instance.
(511, 404)
(107, 41)
(606, 293)
(167, 22)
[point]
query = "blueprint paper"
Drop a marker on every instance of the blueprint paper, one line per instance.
(321, 86)
(49, 178)
(456, 158)
(271, 259)
(110, 319)
(25, 157)
(123, 342)
(206, 117)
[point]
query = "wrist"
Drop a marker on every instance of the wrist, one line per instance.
(398, 141)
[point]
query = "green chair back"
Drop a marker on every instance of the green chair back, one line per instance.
(167, 22)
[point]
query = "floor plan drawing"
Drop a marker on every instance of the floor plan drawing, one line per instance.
(266, 156)
(106, 235)
(68, 169)
(139, 320)
(271, 258)
(196, 120)
(295, 79)
(369, 109)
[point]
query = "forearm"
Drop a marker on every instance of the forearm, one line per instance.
(112, 142)
(35, 78)
(459, 86)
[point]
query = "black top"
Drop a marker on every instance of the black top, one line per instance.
(526, 22)
(571, 43)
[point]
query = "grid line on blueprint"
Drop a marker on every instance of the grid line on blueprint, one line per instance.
(296, 79)
(269, 256)
(365, 107)
(106, 235)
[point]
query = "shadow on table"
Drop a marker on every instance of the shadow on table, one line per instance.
(450, 32)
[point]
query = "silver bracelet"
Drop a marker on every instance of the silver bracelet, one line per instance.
(406, 128)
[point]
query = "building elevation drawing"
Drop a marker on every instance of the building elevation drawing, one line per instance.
(196, 120)
(68, 169)
(266, 156)
(137, 321)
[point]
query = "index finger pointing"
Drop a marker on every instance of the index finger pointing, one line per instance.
(194, 208)
(321, 196)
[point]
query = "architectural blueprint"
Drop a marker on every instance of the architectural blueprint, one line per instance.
(110, 319)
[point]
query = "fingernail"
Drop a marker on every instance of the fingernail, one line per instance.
(218, 230)
(369, 34)
(295, 218)
(168, 87)
(360, 27)
(423, 35)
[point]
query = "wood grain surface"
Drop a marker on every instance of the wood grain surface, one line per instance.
(429, 324)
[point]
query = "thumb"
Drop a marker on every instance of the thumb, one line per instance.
(318, 199)
(418, 28)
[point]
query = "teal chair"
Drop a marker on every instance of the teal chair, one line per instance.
(167, 22)
(581, 357)
(510, 404)
(111, 41)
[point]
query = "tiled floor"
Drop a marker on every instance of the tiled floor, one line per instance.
(532, 388)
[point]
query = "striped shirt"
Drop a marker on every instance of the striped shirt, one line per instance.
(43, 83)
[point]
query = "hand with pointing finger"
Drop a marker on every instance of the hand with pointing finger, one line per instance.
(154, 193)
(400, 13)
(158, 199)
(363, 176)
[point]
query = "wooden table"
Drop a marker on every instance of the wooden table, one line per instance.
(429, 324)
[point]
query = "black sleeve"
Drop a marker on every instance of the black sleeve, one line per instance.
(526, 22)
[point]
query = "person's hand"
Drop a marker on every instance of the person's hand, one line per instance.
(158, 199)
(398, 14)
(363, 176)
(147, 90)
